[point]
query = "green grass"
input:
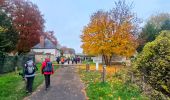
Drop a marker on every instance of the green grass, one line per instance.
(90, 62)
(12, 87)
(110, 90)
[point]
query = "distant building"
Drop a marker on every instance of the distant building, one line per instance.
(67, 52)
(115, 59)
(48, 47)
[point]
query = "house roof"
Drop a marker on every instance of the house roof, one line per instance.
(42, 53)
(47, 45)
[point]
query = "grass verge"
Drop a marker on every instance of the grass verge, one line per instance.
(12, 87)
(90, 62)
(112, 89)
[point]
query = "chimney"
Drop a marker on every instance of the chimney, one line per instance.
(42, 41)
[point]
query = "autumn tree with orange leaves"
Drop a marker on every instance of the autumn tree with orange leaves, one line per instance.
(109, 35)
(1, 2)
(27, 20)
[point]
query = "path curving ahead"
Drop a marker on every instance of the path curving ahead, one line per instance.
(65, 85)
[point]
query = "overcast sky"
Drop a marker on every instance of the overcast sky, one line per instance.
(68, 17)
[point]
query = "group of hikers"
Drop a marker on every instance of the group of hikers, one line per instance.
(30, 68)
(63, 60)
(47, 69)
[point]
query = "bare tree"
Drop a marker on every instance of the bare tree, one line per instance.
(122, 12)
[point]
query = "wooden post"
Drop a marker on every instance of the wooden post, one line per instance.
(87, 67)
(16, 69)
(104, 73)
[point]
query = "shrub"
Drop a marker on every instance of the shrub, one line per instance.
(154, 63)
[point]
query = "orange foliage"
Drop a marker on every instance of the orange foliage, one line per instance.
(104, 36)
(1, 2)
(109, 69)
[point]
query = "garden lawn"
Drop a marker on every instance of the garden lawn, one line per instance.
(12, 86)
(112, 89)
(90, 62)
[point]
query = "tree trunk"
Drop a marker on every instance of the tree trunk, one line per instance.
(104, 59)
(107, 59)
(110, 59)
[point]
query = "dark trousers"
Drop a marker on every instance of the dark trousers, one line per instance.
(58, 62)
(29, 83)
(47, 80)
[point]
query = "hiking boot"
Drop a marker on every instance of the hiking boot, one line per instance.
(27, 91)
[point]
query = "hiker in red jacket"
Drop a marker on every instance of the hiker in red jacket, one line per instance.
(47, 69)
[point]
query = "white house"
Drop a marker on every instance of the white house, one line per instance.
(48, 47)
(115, 59)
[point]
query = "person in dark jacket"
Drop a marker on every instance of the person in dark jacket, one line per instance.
(75, 59)
(29, 74)
(72, 60)
(68, 60)
(58, 60)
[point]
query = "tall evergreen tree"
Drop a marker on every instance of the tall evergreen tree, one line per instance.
(8, 35)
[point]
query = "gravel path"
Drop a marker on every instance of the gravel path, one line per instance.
(65, 85)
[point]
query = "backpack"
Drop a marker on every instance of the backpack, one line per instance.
(30, 69)
(48, 67)
(62, 59)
